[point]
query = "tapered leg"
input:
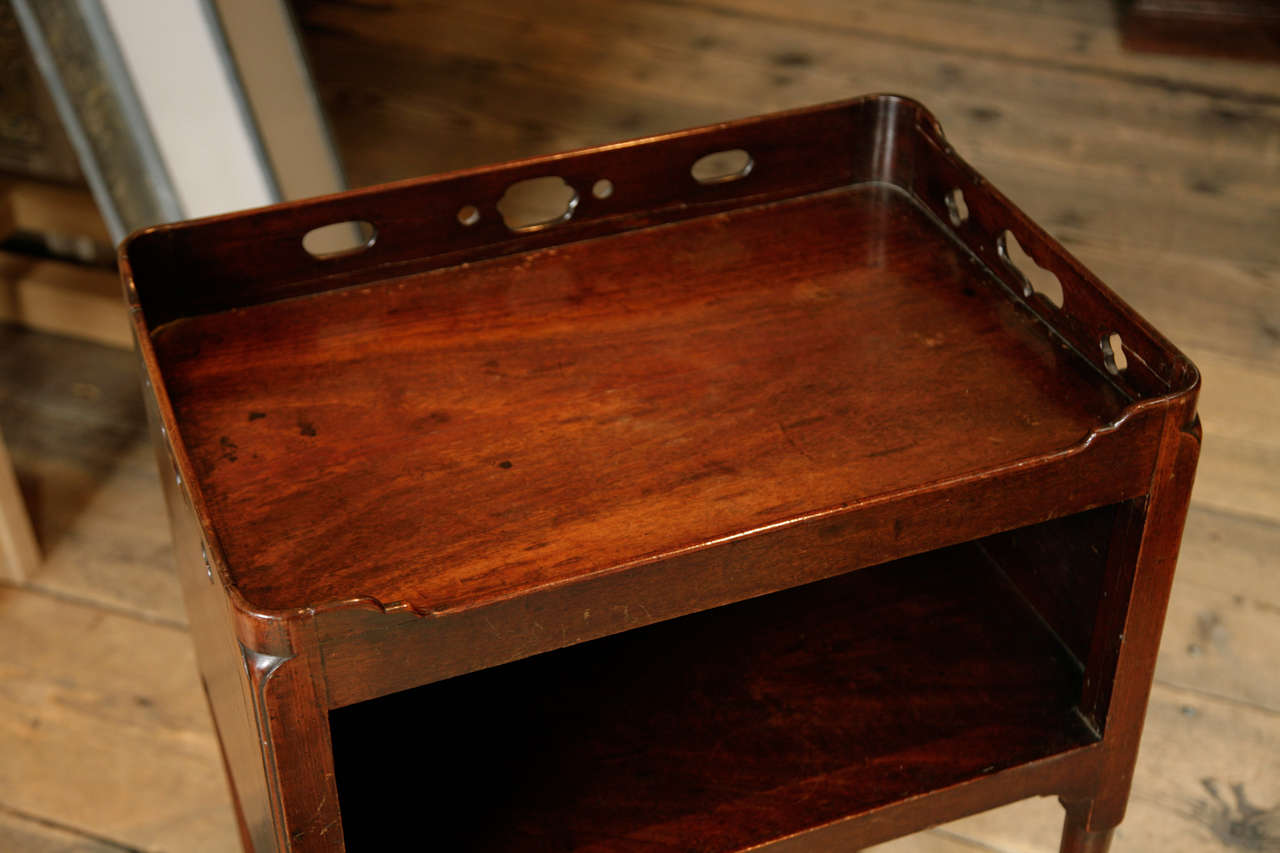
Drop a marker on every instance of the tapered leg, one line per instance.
(1077, 839)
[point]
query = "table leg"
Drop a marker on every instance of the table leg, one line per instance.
(1076, 838)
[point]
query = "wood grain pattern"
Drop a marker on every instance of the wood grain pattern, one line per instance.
(36, 836)
(573, 73)
(1221, 643)
(1177, 155)
(488, 396)
(1208, 776)
(115, 704)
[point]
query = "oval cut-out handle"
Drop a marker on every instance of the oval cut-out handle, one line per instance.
(719, 167)
(537, 203)
(339, 238)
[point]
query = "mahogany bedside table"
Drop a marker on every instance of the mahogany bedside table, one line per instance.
(760, 501)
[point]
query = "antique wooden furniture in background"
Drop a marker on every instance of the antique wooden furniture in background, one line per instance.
(1235, 29)
(756, 497)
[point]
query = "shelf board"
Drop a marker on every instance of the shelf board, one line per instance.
(724, 729)
(470, 434)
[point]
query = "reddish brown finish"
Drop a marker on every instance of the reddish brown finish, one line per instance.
(464, 447)
(496, 393)
(364, 648)
(1076, 838)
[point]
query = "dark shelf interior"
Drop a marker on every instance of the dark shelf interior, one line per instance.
(724, 729)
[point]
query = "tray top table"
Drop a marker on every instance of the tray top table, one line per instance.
(464, 461)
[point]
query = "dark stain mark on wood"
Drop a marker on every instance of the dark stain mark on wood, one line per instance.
(713, 468)
(257, 416)
(1239, 825)
(792, 442)
(1229, 117)
(985, 115)
(1210, 631)
(1205, 186)
(792, 59)
(532, 129)
(440, 416)
(631, 121)
(505, 463)
(1070, 218)
(782, 80)
(306, 428)
(949, 72)
(889, 451)
(812, 419)
(229, 448)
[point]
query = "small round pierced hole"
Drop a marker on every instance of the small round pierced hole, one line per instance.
(721, 166)
(469, 214)
(957, 210)
(1113, 353)
(602, 188)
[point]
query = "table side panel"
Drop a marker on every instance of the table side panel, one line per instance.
(367, 652)
(223, 671)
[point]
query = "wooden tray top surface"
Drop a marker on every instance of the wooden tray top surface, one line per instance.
(474, 432)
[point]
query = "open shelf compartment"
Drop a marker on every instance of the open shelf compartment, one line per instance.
(722, 730)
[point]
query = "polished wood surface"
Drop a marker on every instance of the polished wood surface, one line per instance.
(644, 350)
(527, 421)
(107, 745)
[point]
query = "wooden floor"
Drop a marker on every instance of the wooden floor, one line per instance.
(1162, 174)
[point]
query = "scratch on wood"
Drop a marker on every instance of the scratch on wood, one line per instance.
(797, 448)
